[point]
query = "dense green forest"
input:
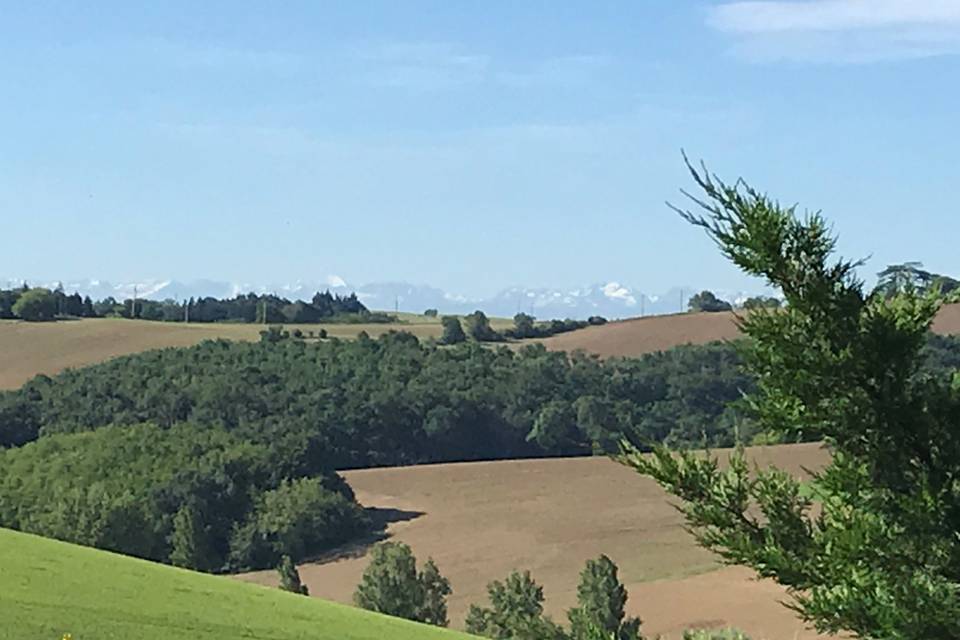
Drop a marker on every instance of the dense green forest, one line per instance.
(223, 456)
(396, 400)
(38, 304)
(198, 497)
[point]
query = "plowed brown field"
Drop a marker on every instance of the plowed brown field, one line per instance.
(637, 336)
(481, 520)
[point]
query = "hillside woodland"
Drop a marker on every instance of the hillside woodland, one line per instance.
(223, 456)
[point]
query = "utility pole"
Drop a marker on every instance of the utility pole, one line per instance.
(396, 304)
(643, 301)
(681, 300)
(186, 311)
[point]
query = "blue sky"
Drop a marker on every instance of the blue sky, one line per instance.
(467, 145)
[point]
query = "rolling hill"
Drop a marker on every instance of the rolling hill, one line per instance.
(638, 336)
(481, 520)
(51, 588)
(29, 348)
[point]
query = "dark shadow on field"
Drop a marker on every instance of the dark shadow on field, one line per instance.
(380, 518)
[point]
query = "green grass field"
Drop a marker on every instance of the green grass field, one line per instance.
(50, 588)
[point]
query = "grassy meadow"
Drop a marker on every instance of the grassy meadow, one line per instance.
(52, 588)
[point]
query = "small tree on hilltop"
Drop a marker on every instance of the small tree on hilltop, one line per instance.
(478, 328)
(452, 330)
(36, 305)
(523, 326)
(707, 301)
(290, 577)
(602, 598)
(761, 302)
(880, 555)
(391, 585)
(516, 612)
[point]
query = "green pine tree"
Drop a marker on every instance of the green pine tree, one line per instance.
(879, 555)
(189, 543)
(290, 577)
(602, 598)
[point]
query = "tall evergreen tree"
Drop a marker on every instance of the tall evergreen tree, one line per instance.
(436, 588)
(516, 612)
(189, 544)
(290, 577)
(880, 556)
(452, 330)
(602, 598)
(391, 585)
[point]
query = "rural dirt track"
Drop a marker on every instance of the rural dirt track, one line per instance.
(481, 520)
(637, 336)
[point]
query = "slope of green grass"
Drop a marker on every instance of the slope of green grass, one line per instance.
(49, 588)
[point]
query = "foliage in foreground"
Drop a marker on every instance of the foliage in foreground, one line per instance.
(882, 558)
(392, 585)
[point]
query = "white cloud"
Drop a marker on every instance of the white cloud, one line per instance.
(616, 291)
(821, 15)
(841, 31)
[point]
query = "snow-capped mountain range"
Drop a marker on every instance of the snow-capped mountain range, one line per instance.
(611, 300)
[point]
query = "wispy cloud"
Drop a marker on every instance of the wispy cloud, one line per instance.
(569, 70)
(419, 66)
(431, 66)
(840, 31)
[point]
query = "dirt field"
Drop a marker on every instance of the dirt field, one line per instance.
(638, 336)
(27, 349)
(481, 520)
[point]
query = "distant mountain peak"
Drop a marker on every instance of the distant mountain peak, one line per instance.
(612, 299)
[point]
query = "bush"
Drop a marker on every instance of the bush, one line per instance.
(430, 313)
